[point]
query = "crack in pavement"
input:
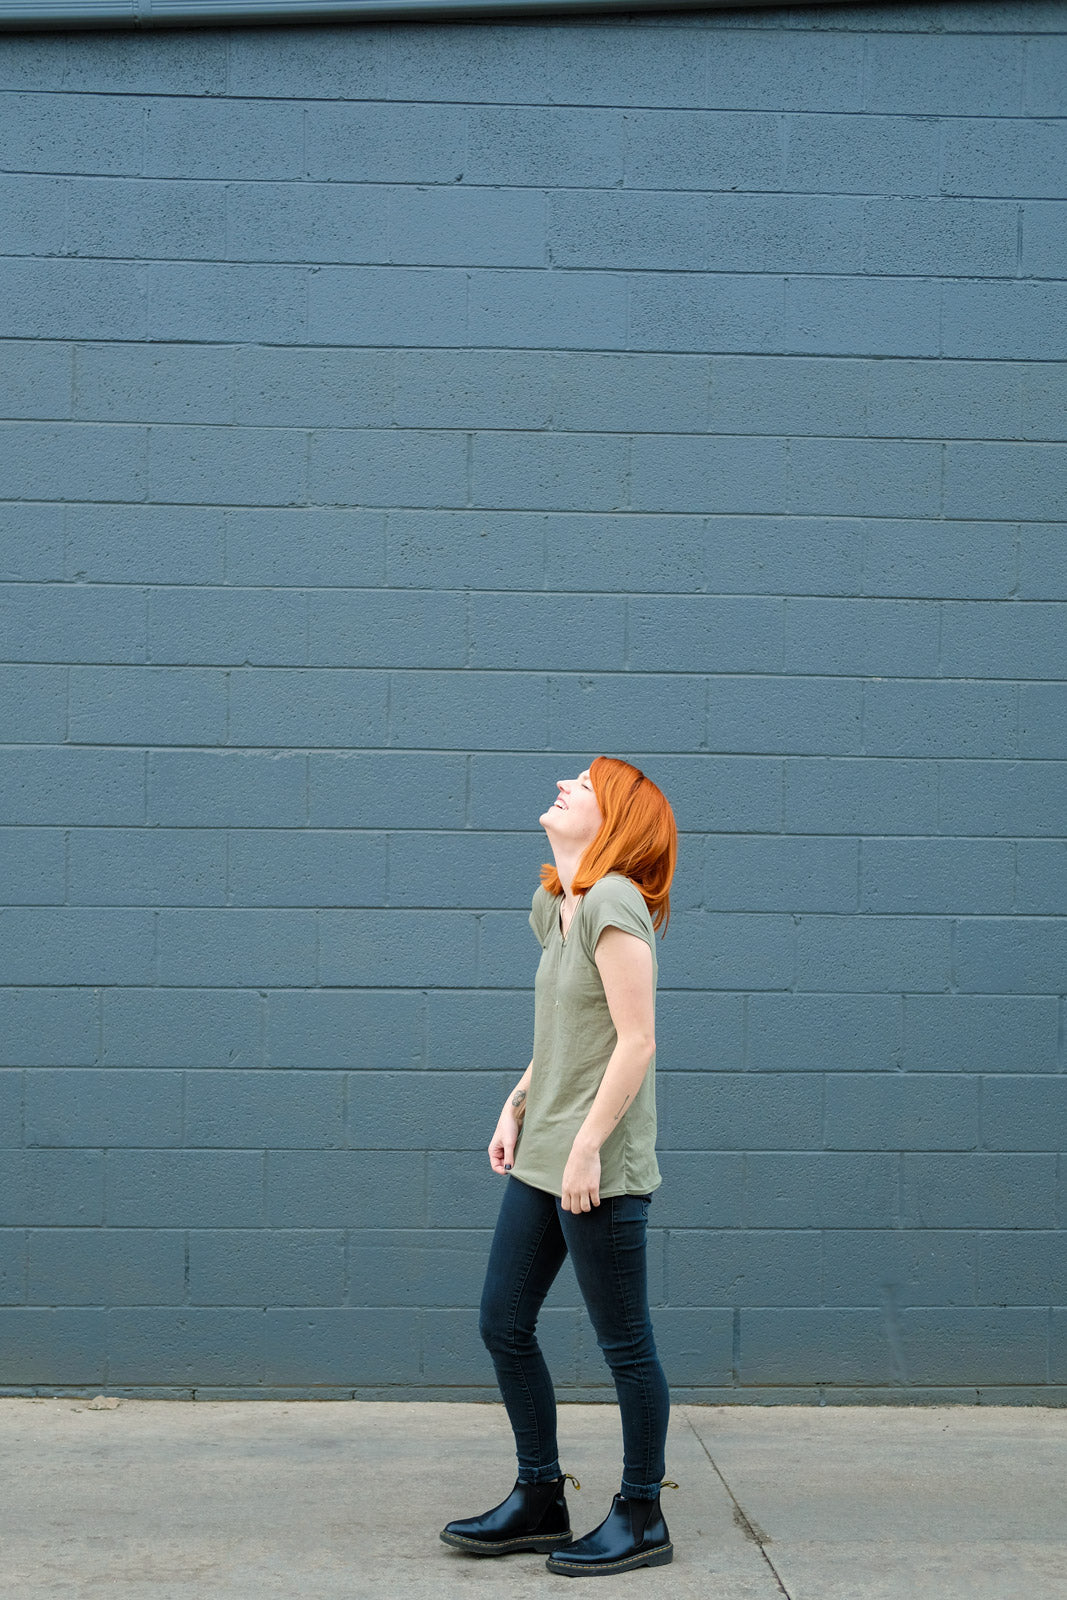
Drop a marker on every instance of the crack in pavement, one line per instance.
(750, 1529)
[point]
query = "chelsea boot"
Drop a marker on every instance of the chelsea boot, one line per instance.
(533, 1517)
(633, 1534)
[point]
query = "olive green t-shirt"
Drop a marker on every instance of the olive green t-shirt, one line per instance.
(573, 1040)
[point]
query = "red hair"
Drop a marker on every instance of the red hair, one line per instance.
(637, 838)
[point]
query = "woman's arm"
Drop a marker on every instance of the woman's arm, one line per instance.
(624, 962)
(506, 1132)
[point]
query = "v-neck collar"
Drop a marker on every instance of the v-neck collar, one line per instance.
(559, 918)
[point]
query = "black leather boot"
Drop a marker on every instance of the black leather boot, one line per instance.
(533, 1517)
(633, 1534)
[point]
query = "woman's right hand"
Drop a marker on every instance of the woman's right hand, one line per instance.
(505, 1137)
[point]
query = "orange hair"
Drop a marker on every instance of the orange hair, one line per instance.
(637, 838)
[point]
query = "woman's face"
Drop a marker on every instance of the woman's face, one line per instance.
(575, 817)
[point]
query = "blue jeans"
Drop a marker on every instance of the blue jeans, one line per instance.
(607, 1248)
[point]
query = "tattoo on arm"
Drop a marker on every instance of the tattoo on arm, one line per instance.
(518, 1100)
(621, 1109)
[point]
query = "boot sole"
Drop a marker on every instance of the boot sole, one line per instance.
(540, 1544)
(661, 1556)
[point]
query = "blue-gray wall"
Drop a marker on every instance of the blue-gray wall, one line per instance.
(400, 416)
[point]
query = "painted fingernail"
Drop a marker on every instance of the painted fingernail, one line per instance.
(507, 1168)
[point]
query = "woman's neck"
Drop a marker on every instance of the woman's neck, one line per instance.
(566, 867)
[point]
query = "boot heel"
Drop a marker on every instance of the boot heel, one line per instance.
(661, 1558)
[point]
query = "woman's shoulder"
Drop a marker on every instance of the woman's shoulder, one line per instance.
(542, 908)
(616, 893)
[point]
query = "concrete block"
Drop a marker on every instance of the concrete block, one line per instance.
(195, 1027)
(434, 949)
(549, 146)
(1043, 396)
(387, 789)
(714, 474)
(750, 873)
(975, 1189)
(706, 633)
(606, 228)
(75, 944)
(33, 704)
(901, 1111)
(453, 225)
(235, 946)
(849, 154)
(462, 1190)
(798, 70)
(696, 1344)
(105, 1266)
(51, 1188)
(28, 60)
(754, 1267)
(185, 1189)
(1024, 1112)
(128, 63)
(583, 471)
(860, 796)
(147, 544)
(980, 1033)
(820, 1345)
(1021, 640)
(295, 387)
(55, 299)
(467, 710)
(387, 143)
(387, 306)
(507, 954)
(35, 374)
(476, 60)
(784, 555)
(312, 545)
(924, 399)
(479, 870)
(869, 954)
(226, 788)
(823, 1032)
(725, 950)
(225, 137)
(308, 706)
(296, 867)
(166, 220)
(187, 1345)
(547, 310)
(479, 1028)
(868, 316)
(465, 549)
(40, 1026)
(123, 382)
(224, 302)
(784, 233)
(238, 627)
(629, 553)
(342, 1346)
(937, 875)
(387, 628)
(12, 1266)
(266, 1267)
(310, 62)
(147, 705)
(401, 1267)
(1015, 321)
(981, 1344)
(1018, 157)
(740, 1111)
(1012, 955)
(442, 1110)
(779, 715)
(256, 466)
(1002, 797)
(32, 866)
(946, 74)
(1044, 238)
(653, 711)
(940, 237)
(57, 132)
(706, 312)
(268, 1110)
(67, 622)
(954, 559)
(912, 717)
(1041, 876)
(629, 392)
(696, 1031)
(1045, 75)
(11, 1135)
(44, 1346)
(84, 1106)
(1042, 563)
(888, 638)
(333, 222)
(333, 1028)
(474, 389)
(31, 542)
(779, 394)
(860, 477)
(701, 1189)
(388, 467)
(345, 1189)
(539, 631)
(1019, 1267)
(898, 1267)
(699, 150)
(66, 461)
(72, 786)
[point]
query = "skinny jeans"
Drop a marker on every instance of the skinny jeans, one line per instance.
(607, 1248)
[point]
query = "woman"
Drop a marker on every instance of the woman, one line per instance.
(577, 1138)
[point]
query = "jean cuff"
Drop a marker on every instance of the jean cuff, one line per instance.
(641, 1491)
(540, 1474)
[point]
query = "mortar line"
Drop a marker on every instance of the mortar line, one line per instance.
(749, 1529)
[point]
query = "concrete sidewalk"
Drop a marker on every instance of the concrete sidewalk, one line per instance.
(245, 1500)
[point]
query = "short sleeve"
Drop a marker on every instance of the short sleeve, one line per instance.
(614, 902)
(541, 913)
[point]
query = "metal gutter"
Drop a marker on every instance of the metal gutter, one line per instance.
(52, 14)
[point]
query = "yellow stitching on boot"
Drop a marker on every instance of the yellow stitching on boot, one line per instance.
(605, 1566)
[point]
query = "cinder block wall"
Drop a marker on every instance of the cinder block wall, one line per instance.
(399, 416)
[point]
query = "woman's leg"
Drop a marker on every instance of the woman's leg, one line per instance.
(607, 1246)
(527, 1252)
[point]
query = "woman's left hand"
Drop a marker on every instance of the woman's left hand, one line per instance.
(581, 1180)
